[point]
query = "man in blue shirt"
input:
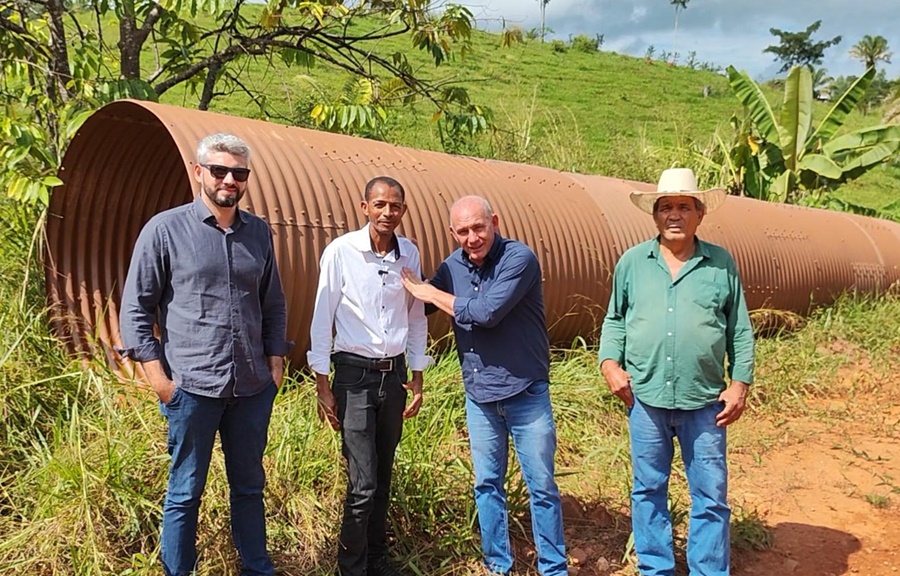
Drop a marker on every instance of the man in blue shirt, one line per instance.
(491, 286)
(205, 275)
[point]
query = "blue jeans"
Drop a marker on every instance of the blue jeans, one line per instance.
(528, 418)
(242, 424)
(703, 450)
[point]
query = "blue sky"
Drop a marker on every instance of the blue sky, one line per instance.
(720, 31)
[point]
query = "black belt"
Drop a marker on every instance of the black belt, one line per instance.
(374, 364)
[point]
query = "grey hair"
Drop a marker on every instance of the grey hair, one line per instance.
(222, 142)
(480, 200)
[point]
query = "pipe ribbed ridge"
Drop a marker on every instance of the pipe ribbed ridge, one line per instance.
(131, 160)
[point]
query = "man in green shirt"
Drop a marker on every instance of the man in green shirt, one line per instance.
(676, 312)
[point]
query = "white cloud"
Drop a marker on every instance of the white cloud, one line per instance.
(719, 31)
(637, 14)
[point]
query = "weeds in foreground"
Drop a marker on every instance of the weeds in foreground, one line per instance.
(83, 460)
(878, 500)
(749, 531)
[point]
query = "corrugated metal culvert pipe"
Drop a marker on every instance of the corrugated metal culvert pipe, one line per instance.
(131, 160)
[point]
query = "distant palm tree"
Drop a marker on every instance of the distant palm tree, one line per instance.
(543, 14)
(821, 81)
(871, 49)
(679, 5)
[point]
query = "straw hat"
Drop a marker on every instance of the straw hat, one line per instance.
(678, 182)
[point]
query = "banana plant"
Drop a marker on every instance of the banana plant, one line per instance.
(785, 156)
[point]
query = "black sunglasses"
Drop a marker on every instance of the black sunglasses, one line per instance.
(219, 172)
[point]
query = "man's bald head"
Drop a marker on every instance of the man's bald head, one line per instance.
(474, 225)
(471, 205)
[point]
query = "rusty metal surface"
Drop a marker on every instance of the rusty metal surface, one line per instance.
(131, 160)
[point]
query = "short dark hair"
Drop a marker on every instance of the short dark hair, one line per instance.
(387, 181)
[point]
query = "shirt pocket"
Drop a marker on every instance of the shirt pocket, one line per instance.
(708, 295)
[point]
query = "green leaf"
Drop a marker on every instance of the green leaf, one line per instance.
(844, 105)
(863, 138)
(749, 94)
(781, 187)
(796, 115)
(51, 181)
(821, 165)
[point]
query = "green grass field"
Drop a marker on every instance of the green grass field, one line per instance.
(595, 113)
(82, 455)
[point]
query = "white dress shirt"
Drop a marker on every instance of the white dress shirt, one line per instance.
(361, 306)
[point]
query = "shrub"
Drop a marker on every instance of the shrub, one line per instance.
(558, 46)
(584, 43)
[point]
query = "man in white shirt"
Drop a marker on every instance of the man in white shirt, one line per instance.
(371, 329)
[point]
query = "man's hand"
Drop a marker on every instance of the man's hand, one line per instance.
(735, 399)
(420, 289)
(276, 367)
(414, 386)
(161, 384)
(618, 380)
(327, 405)
(427, 293)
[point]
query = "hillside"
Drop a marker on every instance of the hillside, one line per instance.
(597, 113)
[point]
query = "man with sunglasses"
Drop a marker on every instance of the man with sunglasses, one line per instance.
(205, 275)
(367, 326)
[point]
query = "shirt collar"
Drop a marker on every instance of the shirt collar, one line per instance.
(701, 249)
(204, 214)
(362, 242)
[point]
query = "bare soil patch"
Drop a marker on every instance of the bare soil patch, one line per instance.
(825, 489)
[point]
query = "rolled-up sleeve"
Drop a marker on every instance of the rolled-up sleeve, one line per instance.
(612, 333)
(144, 286)
(274, 310)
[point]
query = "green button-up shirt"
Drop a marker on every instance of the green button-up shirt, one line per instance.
(672, 336)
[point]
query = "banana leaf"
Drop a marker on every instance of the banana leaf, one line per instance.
(757, 106)
(844, 105)
(796, 115)
(821, 165)
(782, 186)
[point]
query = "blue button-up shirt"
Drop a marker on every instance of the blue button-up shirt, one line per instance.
(221, 309)
(498, 319)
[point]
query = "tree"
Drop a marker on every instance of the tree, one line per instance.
(821, 81)
(872, 49)
(679, 5)
(543, 4)
(798, 48)
(781, 159)
(56, 69)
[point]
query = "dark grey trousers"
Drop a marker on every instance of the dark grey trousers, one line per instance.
(370, 409)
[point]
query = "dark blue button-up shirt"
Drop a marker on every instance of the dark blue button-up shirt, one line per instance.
(498, 319)
(218, 297)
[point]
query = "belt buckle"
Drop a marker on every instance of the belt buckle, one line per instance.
(384, 365)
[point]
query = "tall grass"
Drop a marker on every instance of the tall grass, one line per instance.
(83, 460)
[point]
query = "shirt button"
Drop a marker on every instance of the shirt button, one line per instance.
(471, 349)
(669, 358)
(670, 309)
(475, 370)
(476, 288)
(669, 334)
(668, 382)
